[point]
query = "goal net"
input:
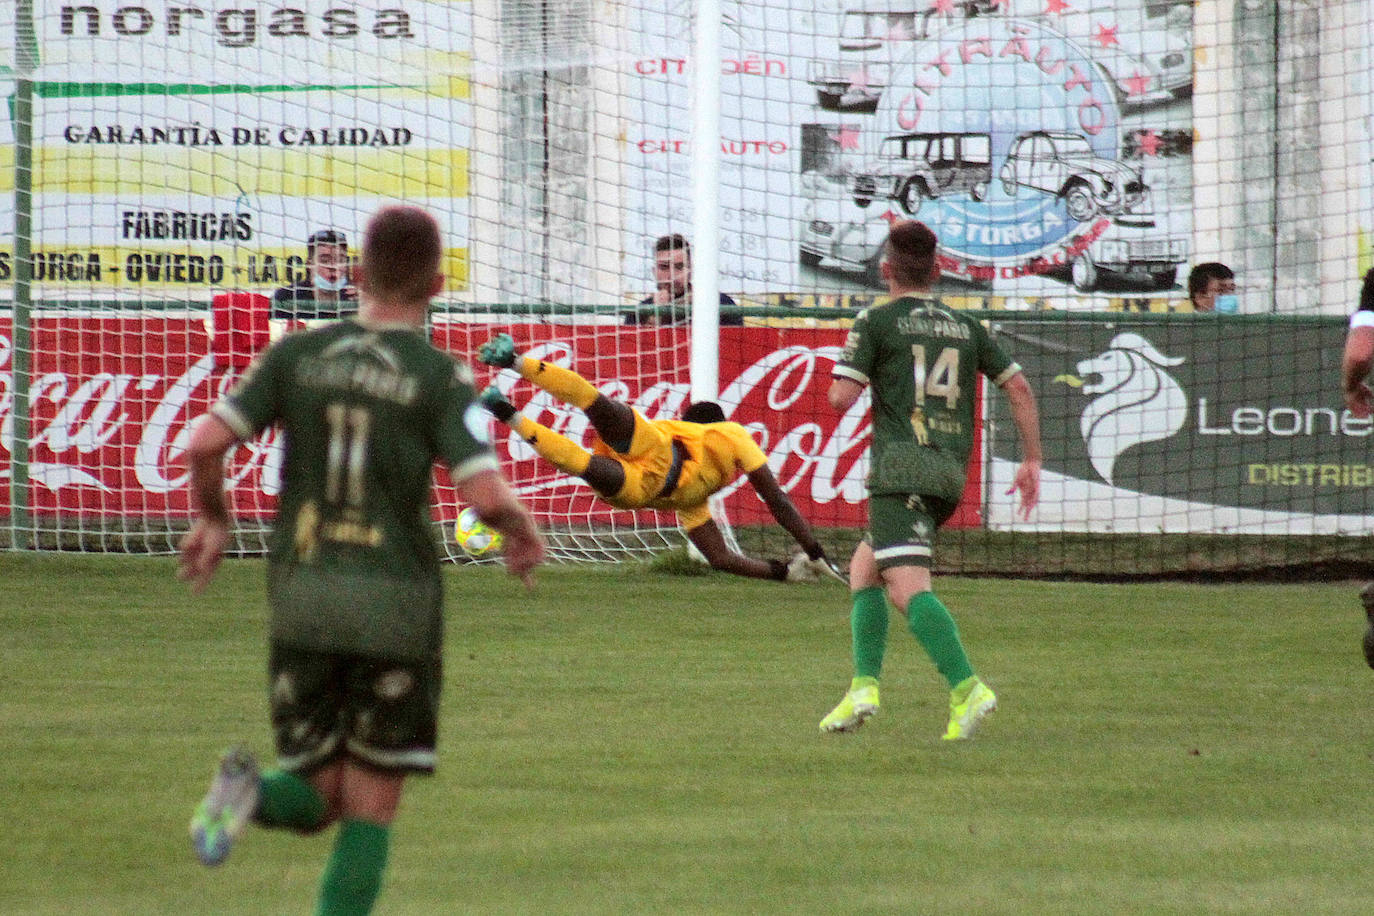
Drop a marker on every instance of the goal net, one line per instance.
(191, 179)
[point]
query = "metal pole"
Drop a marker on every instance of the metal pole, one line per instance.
(705, 360)
(25, 62)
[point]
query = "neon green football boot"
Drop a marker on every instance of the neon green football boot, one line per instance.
(969, 705)
(859, 703)
(226, 808)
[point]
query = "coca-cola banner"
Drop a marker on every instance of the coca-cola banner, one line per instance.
(112, 399)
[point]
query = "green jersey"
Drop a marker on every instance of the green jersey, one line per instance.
(920, 360)
(364, 414)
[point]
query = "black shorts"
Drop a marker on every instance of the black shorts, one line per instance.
(383, 712)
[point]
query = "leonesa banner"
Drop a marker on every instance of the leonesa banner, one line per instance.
(1198, 426)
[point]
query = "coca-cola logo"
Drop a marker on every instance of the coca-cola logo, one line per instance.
(108, 432)
(779, 397)
(121, 431)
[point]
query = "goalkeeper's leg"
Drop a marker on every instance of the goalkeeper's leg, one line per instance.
(613, 421)
(605, 474)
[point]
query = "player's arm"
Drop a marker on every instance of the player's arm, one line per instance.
(1026, 415)
(488, 492)
(708, 538)
(843, 393)
(785, 512)
(1356, 362)
(203, 548)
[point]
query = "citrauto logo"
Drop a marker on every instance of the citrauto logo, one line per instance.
(1133, 399)
(1031, 127)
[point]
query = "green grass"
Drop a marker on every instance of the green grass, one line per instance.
(637, 742)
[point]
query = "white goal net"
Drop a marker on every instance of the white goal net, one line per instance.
(191, 177)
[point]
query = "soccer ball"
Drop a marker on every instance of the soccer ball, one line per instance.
(474, 536)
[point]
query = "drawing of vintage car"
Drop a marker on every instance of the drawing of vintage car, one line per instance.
(872, 34)
(1147, 53)
(911, 168)
(1131, 251)
(835, 235)
(1065, 165)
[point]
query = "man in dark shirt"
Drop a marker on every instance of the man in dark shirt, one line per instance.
(327, 292)
(671, 302)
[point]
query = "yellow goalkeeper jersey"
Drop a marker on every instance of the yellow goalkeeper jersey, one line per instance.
(716, 453)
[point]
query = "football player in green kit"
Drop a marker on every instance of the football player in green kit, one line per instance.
(919, 360)
(366, 406)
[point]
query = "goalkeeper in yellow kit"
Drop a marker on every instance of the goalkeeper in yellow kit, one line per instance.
(638, 463)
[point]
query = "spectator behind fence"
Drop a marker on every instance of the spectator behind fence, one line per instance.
(671, 302)
(327, 290)
(1212, 288)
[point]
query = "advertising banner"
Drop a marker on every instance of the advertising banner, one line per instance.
(1048, 144)
(1227, 427)
(183, 148)
(111, 409)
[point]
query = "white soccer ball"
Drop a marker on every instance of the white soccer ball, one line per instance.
(474, 536)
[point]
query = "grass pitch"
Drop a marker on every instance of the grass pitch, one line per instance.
(627, 741)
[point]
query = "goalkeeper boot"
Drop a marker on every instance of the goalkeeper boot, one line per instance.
(495, 402)
(969, 705)
(499, 351)
(859, 703)
(1367, 598)
(227, 807)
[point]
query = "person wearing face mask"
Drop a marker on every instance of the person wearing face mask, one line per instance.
(1212, 288)
(327, 291)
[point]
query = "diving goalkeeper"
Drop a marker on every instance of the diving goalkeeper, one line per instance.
(659, 464)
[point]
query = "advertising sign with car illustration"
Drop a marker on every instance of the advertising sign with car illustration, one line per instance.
(1014, 142)
(1047, 143)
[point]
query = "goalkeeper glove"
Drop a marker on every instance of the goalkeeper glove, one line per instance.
(823, 565)
(802, 568)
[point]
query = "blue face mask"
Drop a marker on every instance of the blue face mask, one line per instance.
(1228, 303)
(331, 286)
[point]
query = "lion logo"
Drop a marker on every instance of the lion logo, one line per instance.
(1136, 400)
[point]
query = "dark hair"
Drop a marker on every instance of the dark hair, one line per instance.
(704, 412)
(325, 237)
(1367, 292)
(1204, 273)
(401, 252)
(674, 242)
(910, 249)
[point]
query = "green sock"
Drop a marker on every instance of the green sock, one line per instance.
(286, 800)
(934, 628)
(353, 876)
(868, 624)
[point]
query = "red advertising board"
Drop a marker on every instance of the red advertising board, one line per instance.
(112, 400)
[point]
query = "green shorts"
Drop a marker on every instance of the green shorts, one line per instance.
(901, 527)
(384, 713)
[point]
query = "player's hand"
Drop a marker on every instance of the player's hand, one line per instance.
(522, 553)
(825, 567)
(799, 569)
(201, 552)
(1027, 482)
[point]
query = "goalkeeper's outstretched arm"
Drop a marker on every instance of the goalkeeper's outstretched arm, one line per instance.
(786, 514)
(707, 538)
